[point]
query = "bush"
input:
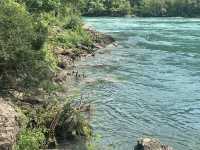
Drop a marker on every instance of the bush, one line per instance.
(38, 6)
(23, 65)
(72, 123)
(73, 22)
(71, 39)
(41, 35)
(30, 140)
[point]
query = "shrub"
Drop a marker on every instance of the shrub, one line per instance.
(41, 35)
(71, 39)
(73, 22)
(23, 65)
(38, 6)
(30, 140)
(72, 123)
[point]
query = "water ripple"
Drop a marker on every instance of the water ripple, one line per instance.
(149, 85)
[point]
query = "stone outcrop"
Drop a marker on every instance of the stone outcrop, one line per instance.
(151, 144)
(8, 126)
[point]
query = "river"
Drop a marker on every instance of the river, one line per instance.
(149, 85)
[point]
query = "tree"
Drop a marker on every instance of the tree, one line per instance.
(23, 65)
(107, 7)
(38, 6)
(120, 8)
(152, 8)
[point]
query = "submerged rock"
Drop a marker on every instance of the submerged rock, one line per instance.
(8, 126)
(151, 144)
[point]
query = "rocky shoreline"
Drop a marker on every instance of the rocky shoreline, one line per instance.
(10, 122)
(67, 57)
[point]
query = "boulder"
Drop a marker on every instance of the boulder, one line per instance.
(151, 144)
(8, 126)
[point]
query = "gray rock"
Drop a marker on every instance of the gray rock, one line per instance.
(151, 144)
(8, 126)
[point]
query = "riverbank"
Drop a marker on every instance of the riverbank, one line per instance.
(45, 120)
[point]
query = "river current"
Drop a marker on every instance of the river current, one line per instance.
(147, 86)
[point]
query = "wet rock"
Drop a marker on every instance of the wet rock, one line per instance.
(52, 143)
(68, 53)
(33, 101)
(151, 144)
(97, 45)
(8, 126)
(106, 40)
(85, 108)
(61, 65)
(101, 39)
(81, 46)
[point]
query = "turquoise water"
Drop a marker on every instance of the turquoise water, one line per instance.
(149, 85)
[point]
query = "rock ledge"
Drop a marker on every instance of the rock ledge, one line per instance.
(8, 126)
(151, 144)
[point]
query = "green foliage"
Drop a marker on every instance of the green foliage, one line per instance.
(30, 140)
(120, 8)
(153, 8)
(23, 64)
(38, 6)
(72, 123)
(110, 8)
(65, 12)
(73, 22)
(28, 64)
(40, 36)
(92, 143)
(73, 38)
(79, 36)
(95, 8)
(184, 8)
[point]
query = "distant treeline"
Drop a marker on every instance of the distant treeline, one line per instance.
(146, 8)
